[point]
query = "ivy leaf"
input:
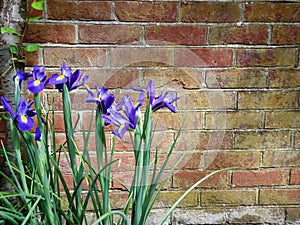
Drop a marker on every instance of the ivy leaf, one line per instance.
(14, 49)
(9, 30)
(34, 18)
(31, 47)
(38, 5)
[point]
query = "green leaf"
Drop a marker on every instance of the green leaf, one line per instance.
(9, 30)
(31, 47)
(13, 49)
(34, 18)
(38, 5)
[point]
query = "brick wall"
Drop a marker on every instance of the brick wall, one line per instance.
(235, 67)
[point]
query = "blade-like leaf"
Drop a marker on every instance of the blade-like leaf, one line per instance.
(38, 5)
(31, 47)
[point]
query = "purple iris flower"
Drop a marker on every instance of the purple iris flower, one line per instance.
(72, 80)
(102, 99)
(23, 113)
(39, 80)
(20, 76)
(124, 115)
(164, 100)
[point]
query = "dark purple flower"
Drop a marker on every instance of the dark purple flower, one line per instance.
(103, 99)
(23, 113)
(20, 76)
(124, 115)
(39, 80)
(72, 80)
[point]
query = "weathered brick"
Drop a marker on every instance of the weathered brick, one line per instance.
(235, 78)
(75, 56)
(164, 35)
(267, 100)
(252, 34)
(266, 57)
(292, 215)
(255, 178)
(188, 178)
(110, 78)
(272, 12)
(210, 12)
(283, 119)
(297, 140)
(33, 58)
(53, 33)
(71, 10)
(280, 196)
(177, 78)
(203, 57)
(233, 159)
(208, 100)
(286, 34)
(146, 11)
(284, 78)
(168, 198)
(110, 34)
(281, 158)
(262, 139)
(31, 12)
(123, 57)
(169, 120)
(233, 120)
(295, 177)
(191, 140)
(227, 197)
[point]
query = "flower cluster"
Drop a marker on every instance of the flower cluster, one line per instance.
(37, 81)
(126, 113)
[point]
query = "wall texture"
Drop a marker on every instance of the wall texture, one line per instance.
(235, 67)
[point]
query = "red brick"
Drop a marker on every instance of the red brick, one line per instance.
(33, 58)
(203, 57)
(176, 78)
(254, 178)
(295, 177)
(235, 78)
(290, 196)
(71, 10)
(146, 11)
(33, 12)
(110, 34)
(286, 34)
(166, 35)
(284, 78)
(123, 57)
(272, 12)
(183, 179)
(246, 34)
(266, 57)
(75, 56)
(267, 100)
(52, 33)
(237, 159)
(283, 158)
(210, 12)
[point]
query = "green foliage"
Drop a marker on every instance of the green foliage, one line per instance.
(39, 5)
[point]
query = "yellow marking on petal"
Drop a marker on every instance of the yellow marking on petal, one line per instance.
(136, 104)
(36, 82)
(121, 127)
(60, 77)
(24, 119)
